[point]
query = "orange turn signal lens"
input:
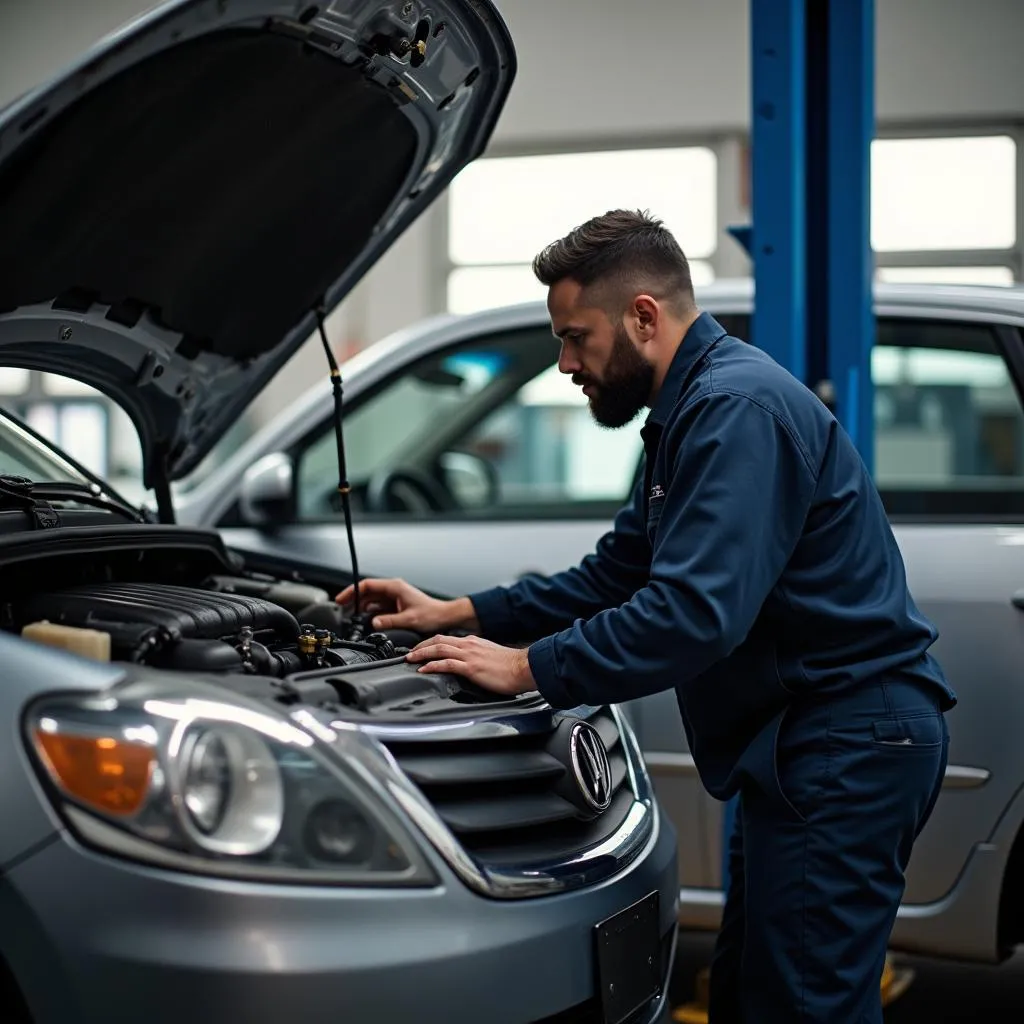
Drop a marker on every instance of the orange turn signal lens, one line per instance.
(106, 773)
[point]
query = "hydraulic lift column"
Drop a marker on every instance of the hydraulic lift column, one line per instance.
(812, 122)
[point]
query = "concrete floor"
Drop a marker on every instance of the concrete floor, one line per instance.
(941, 993)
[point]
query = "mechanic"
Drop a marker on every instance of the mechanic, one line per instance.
(755, 572)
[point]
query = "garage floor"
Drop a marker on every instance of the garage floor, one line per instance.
(942, 993)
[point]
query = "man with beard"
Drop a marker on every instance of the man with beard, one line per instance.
(755, 573)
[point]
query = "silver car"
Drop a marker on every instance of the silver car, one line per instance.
(221, 798)
(477, 464)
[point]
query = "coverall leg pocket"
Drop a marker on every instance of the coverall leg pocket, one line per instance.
(822, 891)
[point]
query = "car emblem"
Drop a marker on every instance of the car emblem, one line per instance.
(590, 766)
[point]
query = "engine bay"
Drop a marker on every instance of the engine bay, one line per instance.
(227, 624)
(177, 600)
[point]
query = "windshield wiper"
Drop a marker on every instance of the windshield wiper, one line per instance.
(34, 497)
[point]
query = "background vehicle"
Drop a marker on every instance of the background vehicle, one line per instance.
(477, 464)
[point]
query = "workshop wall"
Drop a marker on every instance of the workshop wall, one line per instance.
(648, 67)
(653, 70)
(653, 66)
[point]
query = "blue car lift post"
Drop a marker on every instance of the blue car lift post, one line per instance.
(812, 123)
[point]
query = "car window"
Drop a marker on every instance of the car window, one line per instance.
(949, 429)
(485, 430)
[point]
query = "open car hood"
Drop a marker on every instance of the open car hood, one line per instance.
(176, 207)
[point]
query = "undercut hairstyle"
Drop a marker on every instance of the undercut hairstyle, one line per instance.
(615, 257)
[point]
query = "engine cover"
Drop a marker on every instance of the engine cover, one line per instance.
(179, 613)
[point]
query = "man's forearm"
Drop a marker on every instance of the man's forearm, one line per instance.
(460, 614)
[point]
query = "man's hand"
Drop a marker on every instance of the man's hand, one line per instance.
(399, 605)
(504, 670)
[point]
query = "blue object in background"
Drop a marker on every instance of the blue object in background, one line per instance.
(813, 120)
(850, 325)
(779, 203)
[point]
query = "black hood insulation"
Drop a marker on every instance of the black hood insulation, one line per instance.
(223, 185)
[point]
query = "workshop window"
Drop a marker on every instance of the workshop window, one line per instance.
(13, 380)
(503, 210)
(82, 421)
(944, 210)
(946, 275)
(949, 193)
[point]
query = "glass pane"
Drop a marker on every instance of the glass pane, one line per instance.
(949, 193)
(471, 289)
(57, 384)
(505, 210)
(945, 275)
(395, 427)
(76, 428)
(95, 431)
(42, 418)
(124, 473)
(546, 449)
(13, 380)
(22, 455)
(947, 416)
(493, 425)
(701, 273)
(83, 434)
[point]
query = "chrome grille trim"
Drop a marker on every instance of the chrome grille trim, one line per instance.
(637, 831)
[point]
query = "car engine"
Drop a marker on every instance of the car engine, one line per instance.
(177, 600)
(230, 625)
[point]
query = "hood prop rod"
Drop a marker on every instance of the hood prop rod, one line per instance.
(344, 488)
(162, 488)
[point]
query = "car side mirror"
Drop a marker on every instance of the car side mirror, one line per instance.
(265, 496)
(470, 479)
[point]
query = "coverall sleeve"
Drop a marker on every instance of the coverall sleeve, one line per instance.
(734, 509)
(537, 606)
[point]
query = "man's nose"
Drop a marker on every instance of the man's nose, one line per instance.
(568, 361)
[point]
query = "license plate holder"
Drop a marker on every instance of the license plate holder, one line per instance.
(628, 959)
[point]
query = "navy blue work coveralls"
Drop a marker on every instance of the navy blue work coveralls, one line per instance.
(755, 572)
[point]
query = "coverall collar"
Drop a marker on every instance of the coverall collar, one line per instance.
(701, 335)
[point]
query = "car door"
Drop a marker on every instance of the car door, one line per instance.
(949, 464)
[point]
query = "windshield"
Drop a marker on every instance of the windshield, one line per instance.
(22, 455)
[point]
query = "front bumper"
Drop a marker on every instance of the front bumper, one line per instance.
(90, 937)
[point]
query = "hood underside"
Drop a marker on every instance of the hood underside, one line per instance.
(174, 210)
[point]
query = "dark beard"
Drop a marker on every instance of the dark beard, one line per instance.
(627, 385)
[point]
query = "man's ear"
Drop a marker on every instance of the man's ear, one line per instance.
(645, 315)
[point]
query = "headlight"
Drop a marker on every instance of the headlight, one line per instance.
(179, 774)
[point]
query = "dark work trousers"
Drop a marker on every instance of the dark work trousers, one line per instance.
(818, 855)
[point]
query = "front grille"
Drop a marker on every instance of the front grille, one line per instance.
(512, 800)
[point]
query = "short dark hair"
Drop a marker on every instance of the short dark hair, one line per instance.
(618, 254)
